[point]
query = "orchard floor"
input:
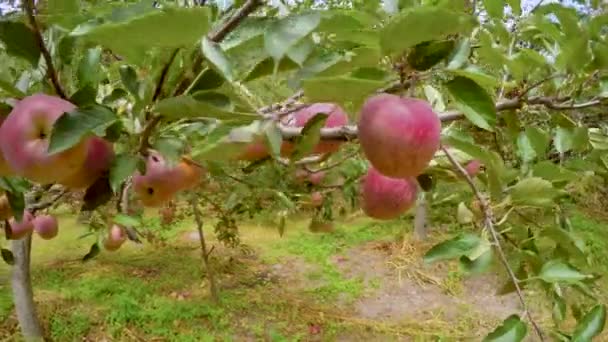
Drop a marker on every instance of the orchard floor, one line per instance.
(358, 283)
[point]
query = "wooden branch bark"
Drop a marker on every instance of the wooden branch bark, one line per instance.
(30, 9)
(198, 217)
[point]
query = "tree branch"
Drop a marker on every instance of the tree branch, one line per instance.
(249, 7)
(163, 76)
(30, 8)
(349, 132)
(198, 218)
(489, 226)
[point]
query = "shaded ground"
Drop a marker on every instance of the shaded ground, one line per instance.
(355, 284)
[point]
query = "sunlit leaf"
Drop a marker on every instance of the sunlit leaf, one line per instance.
(473, 101)
(512, 329)
(591, 325)
(556, 271)
(423, 23)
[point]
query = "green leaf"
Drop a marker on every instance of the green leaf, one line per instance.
(473, 101)
(14, 190)
(553, 173)
(559, 309)
(454, 248)
(123, 166)
(341, 89)
(72, 127)
(512, 329)
(63, 12)
(427, 54)
(556, 271)
(93, 252)
(539, 139)
(591, 325)
(188, 107)
(7, 85)
(301, 51)
(169, 27)
(420, 24)
(274, 139)
(464, 215)
(478, 265)
(19, 41)
(283, 34)
(310, 137)
(515, 6)
(474, 73)
(460, 55)
(598, 138)
(226, 142)
(89, 68)
(563, 140)
(533, 191)
(524, 148)
(217, 57)
(266, 67)
(7, 256)
(85, 96)
(128, 76)
(495, 8)
(127, 220)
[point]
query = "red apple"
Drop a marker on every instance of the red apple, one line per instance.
(386, 198)
(46, 226)
(399, 136)
(116, 237)
(20, 229)
(5, 169)
(337, 117)
(160, 182)
(316, 178)
(100, 155)
(473, 167)
(25, 136)
(316, 199)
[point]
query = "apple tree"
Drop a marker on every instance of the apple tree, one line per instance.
(244, 105)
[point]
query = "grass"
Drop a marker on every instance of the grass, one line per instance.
(161, 294)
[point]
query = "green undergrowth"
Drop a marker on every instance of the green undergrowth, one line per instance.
(318, 249)
(143, 292)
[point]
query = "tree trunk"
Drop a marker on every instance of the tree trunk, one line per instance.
(23, 295)
(420, 219)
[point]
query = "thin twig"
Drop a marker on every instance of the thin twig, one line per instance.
(30, 8)
(232, 23)
(537, 84)
(335, 164)
(163, 76)
(144, 141)
(249, 7)
(489, 225)
(198, 217)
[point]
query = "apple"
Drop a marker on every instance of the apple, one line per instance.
(100, 154)
(399, 136)
(337, 117)
(25, 136)
(160, 182)
(115, 238)
(45, 226)
(386, 198)
(5, 169)
(19, 229)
